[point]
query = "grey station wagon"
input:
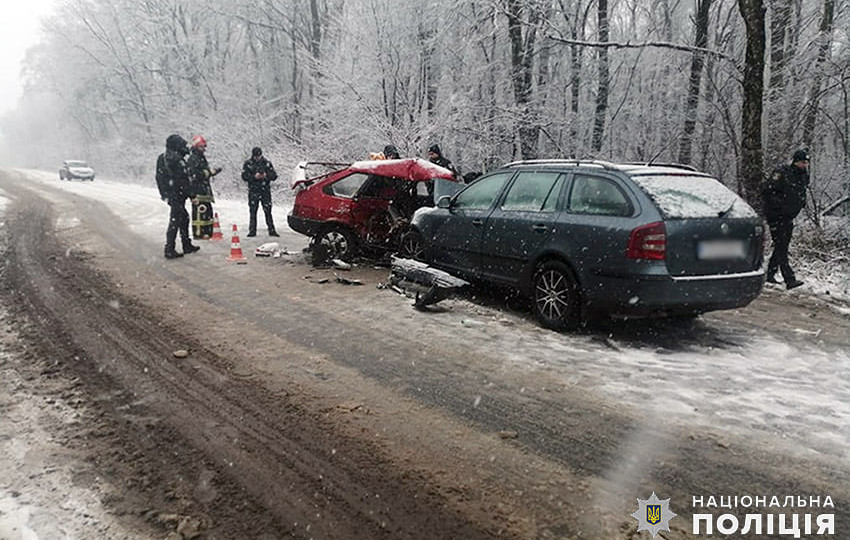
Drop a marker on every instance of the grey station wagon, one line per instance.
(593, 237)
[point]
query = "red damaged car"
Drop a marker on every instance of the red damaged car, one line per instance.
(361, 207)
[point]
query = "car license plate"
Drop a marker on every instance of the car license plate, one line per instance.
(721, 249)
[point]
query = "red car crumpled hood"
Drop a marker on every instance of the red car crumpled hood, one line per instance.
(413, 169)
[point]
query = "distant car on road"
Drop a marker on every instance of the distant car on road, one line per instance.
(76, 169)
(585, 237)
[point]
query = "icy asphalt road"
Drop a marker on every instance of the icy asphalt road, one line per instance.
(773, 374)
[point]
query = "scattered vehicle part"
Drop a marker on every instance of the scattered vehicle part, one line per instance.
(429, 284)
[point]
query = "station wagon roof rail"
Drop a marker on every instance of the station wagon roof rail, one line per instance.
(592, 162)
(669, 165)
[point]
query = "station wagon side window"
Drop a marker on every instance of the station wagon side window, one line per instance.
(534, 191)
(347, 187)
(598, 196)
(482, 194)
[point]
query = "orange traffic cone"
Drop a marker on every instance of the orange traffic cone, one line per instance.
(236, 248)
(217, 236)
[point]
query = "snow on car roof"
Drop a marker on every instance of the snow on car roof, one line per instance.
(413, 169)
(408, 169)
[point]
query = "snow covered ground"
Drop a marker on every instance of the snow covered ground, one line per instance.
(757, 383)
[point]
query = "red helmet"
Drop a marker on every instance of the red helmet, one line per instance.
(198, 140)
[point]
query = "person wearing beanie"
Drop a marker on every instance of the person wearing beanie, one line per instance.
(391, 152)
(200, 174)
(783, 196)
(435, 156)
(175, 189)
(257, 171)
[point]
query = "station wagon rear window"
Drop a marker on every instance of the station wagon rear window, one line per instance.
(691, 197)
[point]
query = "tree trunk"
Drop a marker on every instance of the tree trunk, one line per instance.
(780, 20)
(602, 85)
(778, 118)
(824, 40)
(522, 67)
(697, 63)
(752, 156)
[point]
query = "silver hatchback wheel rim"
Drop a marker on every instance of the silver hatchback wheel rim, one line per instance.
(552, 293)
(335, 242)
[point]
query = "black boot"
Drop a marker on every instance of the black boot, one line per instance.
(273, 232)
(171, 254)
(189, 248)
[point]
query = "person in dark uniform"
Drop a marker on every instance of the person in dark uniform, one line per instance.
(200, 174)
(784, 195)
(391, 152)
(258, 172)
(435, 156)
(176, 191)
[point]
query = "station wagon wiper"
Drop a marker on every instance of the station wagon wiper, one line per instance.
(725, 212)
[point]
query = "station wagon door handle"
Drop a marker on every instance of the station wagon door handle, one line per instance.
(540, 228)
(477, 222)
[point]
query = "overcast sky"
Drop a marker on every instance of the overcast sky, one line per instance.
(19, 29)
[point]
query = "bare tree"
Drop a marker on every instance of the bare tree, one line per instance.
(824, 43)
(602, 77)
(694, 83)
(752, 156)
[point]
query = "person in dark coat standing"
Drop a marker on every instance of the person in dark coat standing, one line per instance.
(435, 156)
(200, 174)
(176, 190)
(391, 152)
(258, 172)
(784, 195)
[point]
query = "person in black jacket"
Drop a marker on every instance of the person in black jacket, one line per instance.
(258, 172)
(435, 156)
(200, 174)
(176, 190)
(391, 152)
(784, 195)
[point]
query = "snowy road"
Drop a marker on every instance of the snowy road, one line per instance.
(768, 382)
(751, 378)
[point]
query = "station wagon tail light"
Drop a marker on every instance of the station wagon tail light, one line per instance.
(648, 242)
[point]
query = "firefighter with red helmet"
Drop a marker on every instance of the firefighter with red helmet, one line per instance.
(200, 174)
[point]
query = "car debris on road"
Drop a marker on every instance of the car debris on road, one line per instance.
(429, 284)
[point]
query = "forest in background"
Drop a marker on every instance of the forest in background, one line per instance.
(731, 87)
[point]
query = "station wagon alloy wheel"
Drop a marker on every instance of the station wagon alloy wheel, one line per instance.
(412, 246)
(555, 296)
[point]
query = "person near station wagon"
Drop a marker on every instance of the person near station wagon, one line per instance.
(784, 196)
